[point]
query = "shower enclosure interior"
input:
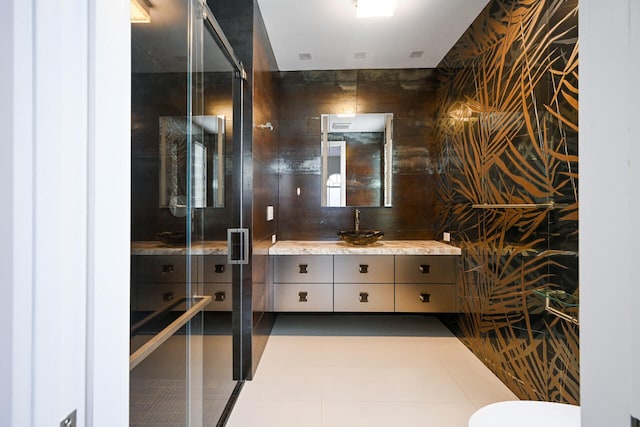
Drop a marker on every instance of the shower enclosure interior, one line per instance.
(187, 245)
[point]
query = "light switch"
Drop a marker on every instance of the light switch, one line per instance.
(269, 213)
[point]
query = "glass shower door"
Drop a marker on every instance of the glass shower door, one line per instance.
(184, 75)
(214, 81)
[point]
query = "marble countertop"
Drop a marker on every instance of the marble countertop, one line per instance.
(383, 247)
(198, 248)
(305, 247)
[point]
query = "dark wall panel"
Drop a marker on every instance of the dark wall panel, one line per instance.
(242, 22)
(304, 96)
(265, 181)
(165, 94)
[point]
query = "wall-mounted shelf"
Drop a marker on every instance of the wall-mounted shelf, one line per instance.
(544, 205)
(560, 299)
(547, 205)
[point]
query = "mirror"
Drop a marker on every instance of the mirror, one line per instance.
(207, 170)
(357, 152)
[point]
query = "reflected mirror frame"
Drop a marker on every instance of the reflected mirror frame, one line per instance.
(386, 153)
(210, 135)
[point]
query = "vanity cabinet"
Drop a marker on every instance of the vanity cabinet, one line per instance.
(331, 277)
(425, 284)
(303, 283)
(161, 279)
(363, 283)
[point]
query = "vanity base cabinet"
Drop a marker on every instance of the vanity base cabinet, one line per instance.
(162, 279)
(374, 297)
(366, 283)
(303, 297)
(153, 296)
(303, 283)
(425, 298)
(426, 284)
(363, 283)
(303, 269)
(425, 269)
(363, 269)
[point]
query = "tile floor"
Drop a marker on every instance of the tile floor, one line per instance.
(365, 370)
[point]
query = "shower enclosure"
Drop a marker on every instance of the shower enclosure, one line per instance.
(189, 246)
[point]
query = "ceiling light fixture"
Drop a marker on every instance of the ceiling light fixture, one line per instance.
(139, 12)
(373, 8)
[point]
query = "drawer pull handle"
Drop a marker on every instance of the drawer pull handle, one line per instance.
(425, 297)
(303, 268)
(219, 268)
(220, 296)
(167, 268)
(302, 296)
(167, 296)
(424, 268)
(364, 268)
(364, 296)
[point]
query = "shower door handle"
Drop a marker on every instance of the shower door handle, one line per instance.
(238, 245)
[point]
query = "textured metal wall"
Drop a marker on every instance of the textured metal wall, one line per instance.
(304, 96)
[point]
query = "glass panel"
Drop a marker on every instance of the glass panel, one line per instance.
(211, 216)
(182, 110)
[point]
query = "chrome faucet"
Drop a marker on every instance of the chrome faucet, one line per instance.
(357, 220)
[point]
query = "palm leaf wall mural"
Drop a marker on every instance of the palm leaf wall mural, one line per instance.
(507, 144)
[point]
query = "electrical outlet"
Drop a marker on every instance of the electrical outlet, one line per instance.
(446, 236)
(273, 239)
(269, 213)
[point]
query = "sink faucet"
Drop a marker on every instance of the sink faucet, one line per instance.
(357, 220)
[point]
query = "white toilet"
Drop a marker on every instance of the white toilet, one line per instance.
(526, 413)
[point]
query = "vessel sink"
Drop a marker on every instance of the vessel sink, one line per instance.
(172, 237)
(360, 237)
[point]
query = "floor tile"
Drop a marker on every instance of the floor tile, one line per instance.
(275, 413)
(404, 414)
(365, 370)
(391, 384)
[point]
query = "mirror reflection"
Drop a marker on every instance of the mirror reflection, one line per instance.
(207, 162)
(357, 154)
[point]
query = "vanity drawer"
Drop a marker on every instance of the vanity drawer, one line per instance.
(215, 269)
(427, 298)
(155, 296)
(425, 269)
(221, 294)
(303, 269)
(363, 269)
(303, 297)
(162, 269)
(377, 297)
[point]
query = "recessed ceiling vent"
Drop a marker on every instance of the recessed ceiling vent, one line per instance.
(359, 55)
(304, 56)
(416, 54)
(340, 126)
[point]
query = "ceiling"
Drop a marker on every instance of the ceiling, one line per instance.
(329, 32)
